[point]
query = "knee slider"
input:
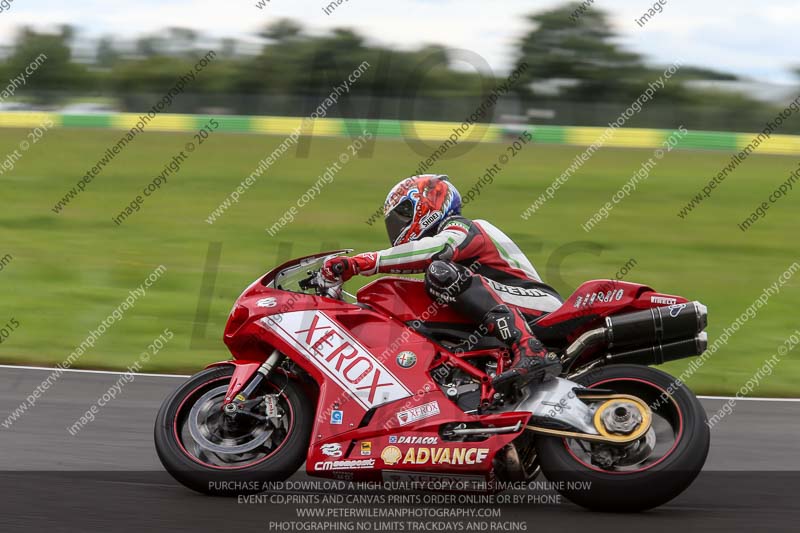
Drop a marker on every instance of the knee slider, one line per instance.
(444, 280)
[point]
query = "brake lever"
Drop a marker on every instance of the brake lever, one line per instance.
(309, 282)
(321, 286)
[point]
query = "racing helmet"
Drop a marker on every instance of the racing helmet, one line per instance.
(417, 205)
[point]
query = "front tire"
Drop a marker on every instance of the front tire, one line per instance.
(640, 486)
(214, 455)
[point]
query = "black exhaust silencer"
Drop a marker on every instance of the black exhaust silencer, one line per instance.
(661, 353)
(657, 326)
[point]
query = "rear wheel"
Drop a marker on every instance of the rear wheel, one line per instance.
(643, 475)
(215, 453)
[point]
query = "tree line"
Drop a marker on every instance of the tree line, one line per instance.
(287, 60)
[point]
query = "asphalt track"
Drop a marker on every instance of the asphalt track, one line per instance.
(107, 477)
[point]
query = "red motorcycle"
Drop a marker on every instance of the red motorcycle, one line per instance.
(394, 386)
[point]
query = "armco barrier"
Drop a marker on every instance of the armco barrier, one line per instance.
(422, 130)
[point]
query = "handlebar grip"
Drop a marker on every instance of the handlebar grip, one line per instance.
(338, 268)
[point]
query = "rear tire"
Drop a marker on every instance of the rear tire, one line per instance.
(649, 486)
(248, 476)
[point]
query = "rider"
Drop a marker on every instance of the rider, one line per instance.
(469, 265)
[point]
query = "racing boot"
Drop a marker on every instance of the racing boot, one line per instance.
(530, 361)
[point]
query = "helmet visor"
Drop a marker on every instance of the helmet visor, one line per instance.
(398, 220)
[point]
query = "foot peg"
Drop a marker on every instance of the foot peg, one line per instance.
(528, 370)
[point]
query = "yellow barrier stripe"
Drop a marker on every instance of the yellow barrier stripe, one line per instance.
(161, 122)
(27, 119)
(441, 131)
(776, 144)
(622, 137)
(287, 125)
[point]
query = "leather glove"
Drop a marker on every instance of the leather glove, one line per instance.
(345, 268)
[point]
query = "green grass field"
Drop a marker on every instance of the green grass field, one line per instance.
(67, 272)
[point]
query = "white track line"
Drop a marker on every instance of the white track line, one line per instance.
(747, 398)
(183, 376)
(81, 371)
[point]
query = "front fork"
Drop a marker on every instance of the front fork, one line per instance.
(245, 379)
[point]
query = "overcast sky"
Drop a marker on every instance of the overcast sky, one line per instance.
(759, 40)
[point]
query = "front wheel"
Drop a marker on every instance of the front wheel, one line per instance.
(642, 475)
(214, 453)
